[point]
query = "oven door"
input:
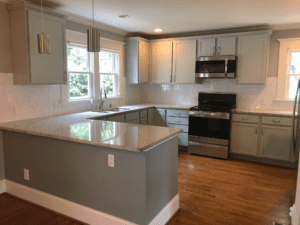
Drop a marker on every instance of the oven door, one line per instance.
(211, 128)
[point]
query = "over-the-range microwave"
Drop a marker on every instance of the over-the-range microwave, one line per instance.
(216, 67)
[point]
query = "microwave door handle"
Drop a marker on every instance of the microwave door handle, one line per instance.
(226, 66)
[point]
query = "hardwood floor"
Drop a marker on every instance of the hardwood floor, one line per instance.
(211, 191)
(233, 192)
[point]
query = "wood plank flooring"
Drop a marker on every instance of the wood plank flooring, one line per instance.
(233, 192)
(211, 191)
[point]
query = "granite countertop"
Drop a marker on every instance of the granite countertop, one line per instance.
(264, 112)
(78, 127)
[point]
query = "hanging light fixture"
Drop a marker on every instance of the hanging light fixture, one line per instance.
(43, 40)
(93, 37)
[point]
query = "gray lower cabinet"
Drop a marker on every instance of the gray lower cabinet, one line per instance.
(275, 142)
(244, 138)
(143, 121)
(136, 121)
(119, 118)
(30, 67)
(160, 116)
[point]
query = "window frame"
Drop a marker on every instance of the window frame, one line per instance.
(89, 73)
(116, 74)
(287, 46)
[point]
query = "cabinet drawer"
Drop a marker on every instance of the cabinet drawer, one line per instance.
(120, 118)
(178, 113)
(143, 121)
(183, 139)
(132, 116)
(136, 121)
(274, 120)
(245, 118)
(178, 120)
(143, 113)
(184, 128)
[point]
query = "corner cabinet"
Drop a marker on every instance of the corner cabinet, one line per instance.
(252, 58)
(137, 60)
(173, 61)
(30, 67)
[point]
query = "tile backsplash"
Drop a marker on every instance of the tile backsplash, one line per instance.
(248, 96)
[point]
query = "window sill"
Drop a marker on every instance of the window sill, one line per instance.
(90, 99)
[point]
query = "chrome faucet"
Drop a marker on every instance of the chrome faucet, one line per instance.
(102, 100)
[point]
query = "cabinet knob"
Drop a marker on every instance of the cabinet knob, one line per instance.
(174, 78)
(171, 78)
(214, 51)
(65, 76)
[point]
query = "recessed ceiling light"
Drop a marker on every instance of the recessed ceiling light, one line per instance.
(123, 16)
(158, 30)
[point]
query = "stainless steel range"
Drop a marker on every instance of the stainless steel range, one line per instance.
(209, 124)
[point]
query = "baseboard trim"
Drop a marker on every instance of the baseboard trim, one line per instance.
(2, 186)
(167, 212)
(62, 206)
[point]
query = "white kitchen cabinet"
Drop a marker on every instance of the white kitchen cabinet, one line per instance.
(252, 59)
(160, 117)
(226, 46)
(137, 58)
(244, 138)
(206, 47)
(184, 61)
(275, 142)
(161, 61)
(30, 67)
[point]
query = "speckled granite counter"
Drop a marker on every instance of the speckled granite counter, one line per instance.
(78, 127)
(264, 112)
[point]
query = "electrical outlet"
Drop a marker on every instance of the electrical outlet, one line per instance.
(111, 160)
(26, 174)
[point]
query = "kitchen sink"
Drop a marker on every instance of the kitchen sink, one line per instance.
(119, 109)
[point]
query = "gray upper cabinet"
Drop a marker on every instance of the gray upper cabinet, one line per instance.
(226, 46)
(137, 60)
(30, 67)
(206, 47)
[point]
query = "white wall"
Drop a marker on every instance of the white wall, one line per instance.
(248, 96)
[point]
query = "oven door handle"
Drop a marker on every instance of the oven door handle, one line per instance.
(224, 116)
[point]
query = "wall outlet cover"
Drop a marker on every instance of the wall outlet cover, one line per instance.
(111, 160)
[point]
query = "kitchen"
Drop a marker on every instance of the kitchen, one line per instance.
(151, 81)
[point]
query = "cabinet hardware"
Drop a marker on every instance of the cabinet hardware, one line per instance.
(174, 78)
(256, 130)
(47, 44)
(171, 78)
(65, 76)
(214, 51)
(276, 121)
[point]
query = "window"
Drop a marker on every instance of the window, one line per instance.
(293, 74)
(79, 72)
(288, 68)
(109, 71)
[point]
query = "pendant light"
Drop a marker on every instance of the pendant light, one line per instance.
(93, 37)
(43, 40)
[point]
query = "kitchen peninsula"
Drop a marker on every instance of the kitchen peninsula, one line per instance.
(127, 172)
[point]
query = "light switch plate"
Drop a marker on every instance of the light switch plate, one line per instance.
(111, 160)
(26, 174)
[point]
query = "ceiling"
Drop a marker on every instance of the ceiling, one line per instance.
(181, 16)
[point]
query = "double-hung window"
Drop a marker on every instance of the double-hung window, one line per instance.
(80, 76)
(293, 73)
(109, 71)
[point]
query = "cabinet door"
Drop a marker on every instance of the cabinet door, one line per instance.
(244, 138)
(160, 117)
(184, 61)
(206, 47)
(252, 59)
(144, 61)
(151, 113)
(275, 142)
(47, 68)
(226, 46)
(161, 61)
(143, 121)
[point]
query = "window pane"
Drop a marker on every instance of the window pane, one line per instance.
(81, 131)
(106, 62)
(293, 86)
(108, 83)
(77, 59)
(295, 63)
(79, 85)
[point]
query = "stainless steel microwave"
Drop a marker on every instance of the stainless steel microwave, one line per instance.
(216, 67)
